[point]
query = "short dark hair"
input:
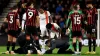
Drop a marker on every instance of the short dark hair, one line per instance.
(14, 7)
(41, 7)
(29, 3)
(75, 6)
(49, 26)
(89, 2)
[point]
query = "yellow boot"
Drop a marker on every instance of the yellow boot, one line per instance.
(93, 52)
(88, 52)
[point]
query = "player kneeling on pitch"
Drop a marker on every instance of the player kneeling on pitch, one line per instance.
(62, 44)
(24, 47)
(13, 26)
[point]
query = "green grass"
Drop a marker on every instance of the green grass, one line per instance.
(84, 50)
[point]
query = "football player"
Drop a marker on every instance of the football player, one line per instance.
(76, 19)
(32, 23)
(91, 23)
(44, 20)
(13, 25)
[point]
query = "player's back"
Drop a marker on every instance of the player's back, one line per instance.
(90, 13)
(76, 18)
(31, 14)
(11, 17)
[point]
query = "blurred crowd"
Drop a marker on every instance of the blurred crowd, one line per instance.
(59, 9)
(3, 4)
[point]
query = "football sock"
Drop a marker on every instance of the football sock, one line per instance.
(8, 45)
(80, 46)
(89, 43)
(94, 44)
(13, 46)
(74, 45)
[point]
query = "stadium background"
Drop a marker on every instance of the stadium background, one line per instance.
(59, 10)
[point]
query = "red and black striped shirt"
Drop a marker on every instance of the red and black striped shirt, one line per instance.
(76, 19)
(91, 14)
(31, 17)
(12, 20)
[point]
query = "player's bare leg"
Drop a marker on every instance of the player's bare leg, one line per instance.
(13, 45)
(8, 44)
(74, 44)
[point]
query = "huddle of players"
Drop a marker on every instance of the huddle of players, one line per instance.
(80, 22)
(32, 23)
(75, 18)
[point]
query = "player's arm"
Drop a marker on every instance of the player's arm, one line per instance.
(83, 23)
(85, 16)
(37, 21)
(50, 18)
(58, 28)
(38, 24)
(53, 45)
(96, 15)
(83, 20)
(23, 21)
(18, 21)
(48, 33)
(5, 20)
(68, 22)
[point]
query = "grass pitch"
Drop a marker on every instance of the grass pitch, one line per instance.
(84, 50)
